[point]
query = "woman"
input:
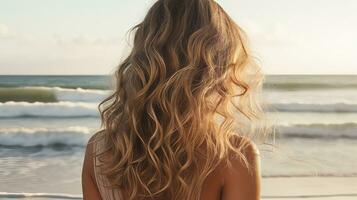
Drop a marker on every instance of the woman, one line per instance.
(178, 124)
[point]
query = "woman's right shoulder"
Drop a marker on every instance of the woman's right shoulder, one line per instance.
(245, 145)
(242, 178)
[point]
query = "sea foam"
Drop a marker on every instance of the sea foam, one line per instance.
(78, 94)
(40, 109)
(71, 136)
(319, 131)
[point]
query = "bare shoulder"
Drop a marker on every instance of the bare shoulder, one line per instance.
(96, 136)
(89, 152)
(250, 150)
(89, 186)
(90, 145)
(242, 178)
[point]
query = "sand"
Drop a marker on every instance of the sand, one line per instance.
(316, 188)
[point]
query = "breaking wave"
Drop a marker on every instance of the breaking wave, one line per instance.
(41, 109)
(71, 136)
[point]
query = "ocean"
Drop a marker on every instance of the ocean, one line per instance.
(45, 122)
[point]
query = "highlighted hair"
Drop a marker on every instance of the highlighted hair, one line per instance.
(184, 96)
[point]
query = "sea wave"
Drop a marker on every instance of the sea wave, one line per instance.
(40, 109)
(51, 94)
(308, 86)
(27, 137)
(306, 107)
(347, 96)
(78, 135)
(318, 131)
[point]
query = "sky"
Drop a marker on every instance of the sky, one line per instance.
(89, 36)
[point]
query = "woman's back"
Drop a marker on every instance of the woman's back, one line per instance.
(221, 184)
(174, 125)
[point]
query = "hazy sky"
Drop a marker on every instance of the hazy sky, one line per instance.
(88, 37)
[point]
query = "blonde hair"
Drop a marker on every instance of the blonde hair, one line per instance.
(175, 112)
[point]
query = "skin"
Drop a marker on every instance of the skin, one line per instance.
(89, 186)
(236, 183)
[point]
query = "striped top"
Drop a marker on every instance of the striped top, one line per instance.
(106, 192)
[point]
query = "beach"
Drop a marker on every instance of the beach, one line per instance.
(317, 188)
(46, 121)
(282, 188)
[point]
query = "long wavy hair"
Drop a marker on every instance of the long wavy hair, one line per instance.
(184, 100)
